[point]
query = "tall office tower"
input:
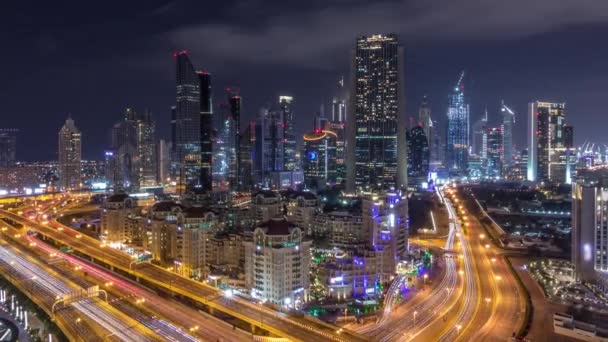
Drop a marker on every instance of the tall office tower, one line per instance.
(246, 158)
(289, 135)
(206, 131)
(424, 118)
(494, 152)
(186, 137)
(457, 144)
(134, 151)
(437, 152)
(234, 104)
(319, 158)
(590, 226)
(508, 120)
(418, 156)
(479, 129)
(338, 104)
(269, 144)
(378, 129)
(164, 161)
(339, 129)
(8, 147)
(70, 148)
(546, 148)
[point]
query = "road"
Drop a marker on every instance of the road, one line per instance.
(91, 318)
(277, 323)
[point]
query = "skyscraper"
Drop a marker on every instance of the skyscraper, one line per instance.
(269, 145)
(234, 104)
(508, 120)
(494, 152)
(479, 130)
(8, 147)
(338, 104)
(418, 156)
(319, 160)
(457, 144)
(134, 152)
(206, 130)
(424, 118)
(546, 141)
(289, 135)
(69, 152)
(247, 143)
(186, 130)
(377, 131)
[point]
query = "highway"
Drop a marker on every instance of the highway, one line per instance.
(279, 324)
(103, 323)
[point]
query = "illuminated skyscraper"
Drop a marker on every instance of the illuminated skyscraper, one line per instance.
(508, 120)
(186, 130)
(546, 142)
(289, 135)
(494, 152)
(338, 105)
(479, 130)
(205, 133)
(457, 144)
(319, 160)
(424, 118)
(69, 151)
(8, 147)
(269, 145)
(377, 131)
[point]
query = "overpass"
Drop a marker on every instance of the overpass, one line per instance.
(157, 277)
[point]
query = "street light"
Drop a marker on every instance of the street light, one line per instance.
(458, 327)
(415, 313)
(425, 276)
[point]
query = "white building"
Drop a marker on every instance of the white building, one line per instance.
(385, 222)
(301, 209)
(590, 227)
(115, 212)
(266, 205)
(277, 263)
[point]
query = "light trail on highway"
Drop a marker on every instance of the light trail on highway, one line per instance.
(56, 288)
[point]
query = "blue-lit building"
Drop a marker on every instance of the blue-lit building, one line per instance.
(378, 128)
(457, 143)
(319, 158)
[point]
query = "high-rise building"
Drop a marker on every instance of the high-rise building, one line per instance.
(164, 161)
(269, 144)
(570, 153)
(479, 129)
(319, 160)
(205, 180)
(377, 131)
(246, 157)
(134, 152)
(289, 135)
(494, 152)
(8, 147)
(70, 148)
(186, 130)
(418, 156)
(424, 118)
(234, 104)
(508, 120)
(457, 143)
(590, 227)
(546, 142)
(338, 104)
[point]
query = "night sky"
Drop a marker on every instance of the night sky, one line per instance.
(93, 59)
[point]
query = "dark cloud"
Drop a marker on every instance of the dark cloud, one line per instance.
(311, 38)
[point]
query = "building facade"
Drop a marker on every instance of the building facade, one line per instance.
(8, 147)
(277, 263)
(320, 158)
(70, 147)
(377, 131)
(457, 142)
(546, 142)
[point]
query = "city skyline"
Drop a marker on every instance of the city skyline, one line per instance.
(497, 70)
